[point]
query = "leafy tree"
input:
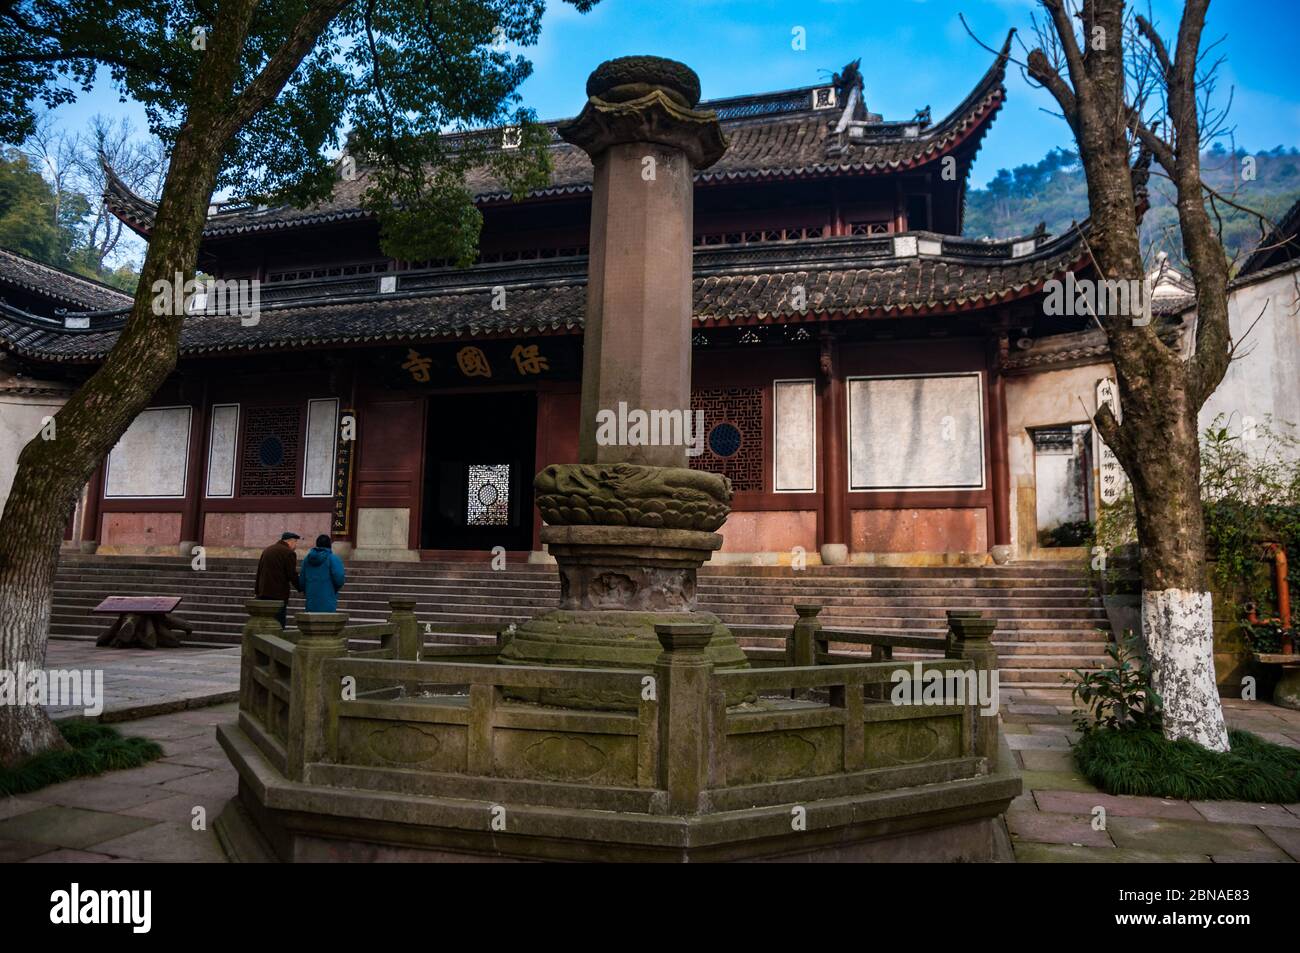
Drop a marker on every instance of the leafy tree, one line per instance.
(253, 97)
(32, 222)
(1055, 192)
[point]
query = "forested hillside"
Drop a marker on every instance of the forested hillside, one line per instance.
(1053, 191)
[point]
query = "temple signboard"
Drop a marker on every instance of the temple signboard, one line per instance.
(509, 361)
(1110, 475)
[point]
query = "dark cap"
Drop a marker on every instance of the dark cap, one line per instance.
(287, 535)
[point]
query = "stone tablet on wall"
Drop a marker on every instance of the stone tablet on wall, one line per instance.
(322, 432)
(151, 460)
(923, 432)
(795, 451)
(222, 449)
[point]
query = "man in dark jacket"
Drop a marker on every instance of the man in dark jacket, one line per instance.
(277, 570)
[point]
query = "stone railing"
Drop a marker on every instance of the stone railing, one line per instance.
(408, 719)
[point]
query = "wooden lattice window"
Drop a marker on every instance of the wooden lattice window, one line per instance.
(488, 497)
(733, 434)
(269, 461)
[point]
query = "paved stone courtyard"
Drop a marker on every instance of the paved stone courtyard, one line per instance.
(1052, 820)
(146, 814)
(138, 681)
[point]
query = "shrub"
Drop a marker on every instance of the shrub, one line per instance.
(1117, 697)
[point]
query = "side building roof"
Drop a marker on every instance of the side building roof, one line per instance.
(46, 290)
(1279, 247)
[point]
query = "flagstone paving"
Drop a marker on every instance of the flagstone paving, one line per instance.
(162, 811)
(153, 813)
(1053, 820)
(148, 681)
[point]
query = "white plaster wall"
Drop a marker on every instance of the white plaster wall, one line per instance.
(1265, 379)
(1042, 399)
(1059, 490)
(20, 421)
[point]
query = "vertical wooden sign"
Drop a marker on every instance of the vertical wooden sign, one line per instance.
(347, 441)
(1110, 475)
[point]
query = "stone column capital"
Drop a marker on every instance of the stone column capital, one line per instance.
(646, 99)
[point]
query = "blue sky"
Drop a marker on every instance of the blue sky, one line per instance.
(914, 53)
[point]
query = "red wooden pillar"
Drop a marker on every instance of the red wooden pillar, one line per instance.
(1000, 530)
(834, 527)
(196, 473)
(90, 518)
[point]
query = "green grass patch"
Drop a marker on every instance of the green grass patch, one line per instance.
(1144, 762)
(95, 748)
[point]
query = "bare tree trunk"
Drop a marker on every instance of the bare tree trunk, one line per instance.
(1161, 392)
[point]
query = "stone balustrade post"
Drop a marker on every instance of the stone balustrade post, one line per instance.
(804, 639)
(261, 621)
(969, 635)
(405, 640)
(684, 675)
(313, 705)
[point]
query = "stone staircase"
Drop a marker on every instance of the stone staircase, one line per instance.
(1050, 618)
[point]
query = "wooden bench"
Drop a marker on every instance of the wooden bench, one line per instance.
(1287, 691)
(145, 623)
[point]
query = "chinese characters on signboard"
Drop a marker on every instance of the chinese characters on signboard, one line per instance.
(1109, 473)
(340, 525)
(486, 362)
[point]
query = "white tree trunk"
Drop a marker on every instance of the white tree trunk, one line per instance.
(1178, 629)
(25, 730)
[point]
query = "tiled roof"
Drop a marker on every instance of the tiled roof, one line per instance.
(836, 278)
(1280, 246)
(59, 288)
(771, 136)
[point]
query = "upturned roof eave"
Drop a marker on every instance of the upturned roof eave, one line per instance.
(977, 111)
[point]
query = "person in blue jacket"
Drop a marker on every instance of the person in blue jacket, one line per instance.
(321, 577)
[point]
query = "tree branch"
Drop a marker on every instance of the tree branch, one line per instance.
(268, 83)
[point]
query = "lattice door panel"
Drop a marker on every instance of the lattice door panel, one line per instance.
(270, 451)
(733, 434)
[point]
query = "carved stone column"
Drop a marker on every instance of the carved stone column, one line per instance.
(631, 524)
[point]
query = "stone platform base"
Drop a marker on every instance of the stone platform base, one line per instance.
(274, 819)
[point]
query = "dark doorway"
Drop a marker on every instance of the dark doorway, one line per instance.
(478, 472)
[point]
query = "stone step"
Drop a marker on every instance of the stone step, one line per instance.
(242, 589)
(707, 576)
(1050, 618)
(516, 562)
(1007, 622)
